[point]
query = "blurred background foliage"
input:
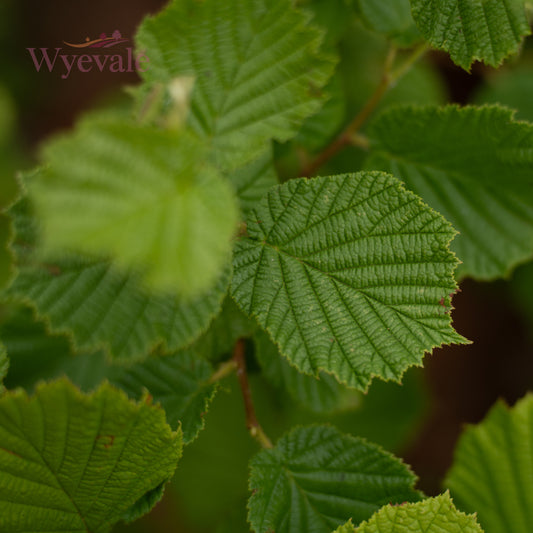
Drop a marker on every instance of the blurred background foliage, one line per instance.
(419, 420)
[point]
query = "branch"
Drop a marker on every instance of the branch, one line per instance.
(350, 133)
(256, 431)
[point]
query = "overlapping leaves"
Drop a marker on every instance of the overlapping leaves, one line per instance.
(71, 462)
(321, 394)
(474, 166)
(473, 30)
(257, 66)
(142, 195)
(433, 515)
(350, 274)
(100, 306)
(316, 478)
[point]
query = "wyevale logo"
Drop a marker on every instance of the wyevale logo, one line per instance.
(54, 60)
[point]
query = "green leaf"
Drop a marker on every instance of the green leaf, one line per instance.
(257, 65)
(102, 308)
(433, 515)
(472, 30)
(333, 16)
(179, 382)
(253, 180)
(145, 196)
(346, 528)
(320, 395)
(229, 326)
(77, 463)
(320, 128)
(144, 504)
(317, 478)
(512, 88)
(391, 18)
(493, 469)
(346, 273)
(212, 477)
(33, 353)
(471, 164)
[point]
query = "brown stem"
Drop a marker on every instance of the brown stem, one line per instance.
(255, 429)
(347, 136)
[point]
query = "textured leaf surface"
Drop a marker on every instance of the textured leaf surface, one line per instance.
(390, 17)
(433, 515)
(346, 273)
(76, 463)
(103, 308)
(321, 395)
(474, 166)
(257, 66)
(144, 196)
(492, 471)
(472, 30)
(179, 382)
(317, 478)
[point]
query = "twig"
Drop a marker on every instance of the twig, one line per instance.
(350, 133)
(255, 429)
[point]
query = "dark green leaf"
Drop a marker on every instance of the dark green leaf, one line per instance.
(349, 274)
(471, 164)
(317, 478)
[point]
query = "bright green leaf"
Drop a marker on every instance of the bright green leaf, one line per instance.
(346, 528)
(77, 463)
(433, 515)
(391, 18)
(178, 381)
(474, 166)
(317, 478)
(146, 197)
(349, 274)
(101, 307)
(320, 395)
(492, 470)
(257, 65)
(472, 30)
